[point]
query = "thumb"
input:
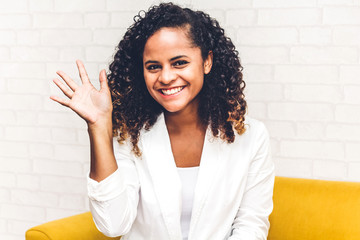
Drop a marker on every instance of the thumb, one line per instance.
(103, 81)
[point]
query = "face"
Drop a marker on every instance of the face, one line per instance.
(174, 69)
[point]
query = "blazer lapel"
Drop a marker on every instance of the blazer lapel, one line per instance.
(160, 160)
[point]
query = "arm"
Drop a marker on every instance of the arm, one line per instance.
(251, 221)
(113, 192)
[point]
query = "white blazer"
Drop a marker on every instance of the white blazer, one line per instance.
(233, 194)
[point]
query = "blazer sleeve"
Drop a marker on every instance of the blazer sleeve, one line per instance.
(114, 200)
(252, 219)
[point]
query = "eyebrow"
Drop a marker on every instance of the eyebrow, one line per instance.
(171, 59)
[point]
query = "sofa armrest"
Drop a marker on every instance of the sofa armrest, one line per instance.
(80, 227)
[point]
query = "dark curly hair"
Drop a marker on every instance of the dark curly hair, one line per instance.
(222, 105)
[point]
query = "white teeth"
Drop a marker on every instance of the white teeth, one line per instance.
(171, 91)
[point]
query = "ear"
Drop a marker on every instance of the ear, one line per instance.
(208, 62)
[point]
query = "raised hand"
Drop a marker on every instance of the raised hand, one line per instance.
(93, 105)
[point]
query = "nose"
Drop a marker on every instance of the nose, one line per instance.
(167, 75)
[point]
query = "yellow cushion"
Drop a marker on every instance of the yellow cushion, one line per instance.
(79, 227)
(315, 210)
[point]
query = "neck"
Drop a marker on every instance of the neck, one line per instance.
(184, 120)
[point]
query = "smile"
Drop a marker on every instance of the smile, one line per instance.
(172, 91)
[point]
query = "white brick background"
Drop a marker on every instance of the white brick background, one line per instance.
(301, 63)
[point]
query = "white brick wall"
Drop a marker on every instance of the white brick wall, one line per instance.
(301, 63)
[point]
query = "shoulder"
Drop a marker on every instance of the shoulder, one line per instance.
(254, 127)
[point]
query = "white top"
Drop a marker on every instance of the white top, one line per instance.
(142, 199)
(188, 178)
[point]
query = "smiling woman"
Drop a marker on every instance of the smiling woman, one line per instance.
(170, 146)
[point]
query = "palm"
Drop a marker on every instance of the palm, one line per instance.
(89, 103)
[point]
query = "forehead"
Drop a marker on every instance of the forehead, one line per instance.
(169, 41)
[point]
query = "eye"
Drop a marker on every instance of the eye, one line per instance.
(153, 67)
(180, 63)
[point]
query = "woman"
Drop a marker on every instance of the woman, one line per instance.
(172, 156)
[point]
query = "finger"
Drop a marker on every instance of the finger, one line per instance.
(103, 81)
(68, 80)
(64, 102)
(63, 88)
(82, 72)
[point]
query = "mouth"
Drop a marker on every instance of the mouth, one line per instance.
(171, 91)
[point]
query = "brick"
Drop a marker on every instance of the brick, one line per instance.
(7, 37)
(259, 36)
(341, 15)
(26, 118)
(4, 54)
(310, 130)
(21, 102)
(281, 129)
(350, 74)
(27, 213)
(99, 54)
(218, 15)
(13, 149)
(69, 185)
(315, 35)
(96, 20)
(352, 95)
(27, 181)
(15, 165)
(72, 153)
(3, 85)
(4, 197)
(258, 73)
(27, 86)
(3, 226)
(335, 2)
(53, 20)
(108, 38)
(34, 134)
(352, 151)
(343, 132)
(228, 4)
(323, 55)
(79, 6)
(300, 111)
(15, 21)
(334, 170)
(289, 17)
(347, 35)
(313, 93)
(78, 37)
(41, 6)
(264, 92)
(306, 74)
(32, 198)
(7, 180)
(63, 135)
(263, 55)
(28, 37)
(56, 213)
(12, 237)
(31, 54)
(353, 171)
(83, 137)
(68, 119)
(347, 113)
(312, 150)
(59, 168)
(7, 117)
(257, 110)
(20, 70)
(75, 202)
(240, 17)
(296, 167)
(122, 20)
(41, 150)
(71, 70)
(284, 4)
(13, 7)
(70, 54)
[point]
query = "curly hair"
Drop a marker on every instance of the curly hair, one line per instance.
(222, 105)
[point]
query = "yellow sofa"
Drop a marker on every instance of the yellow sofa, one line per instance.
(304, 209)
